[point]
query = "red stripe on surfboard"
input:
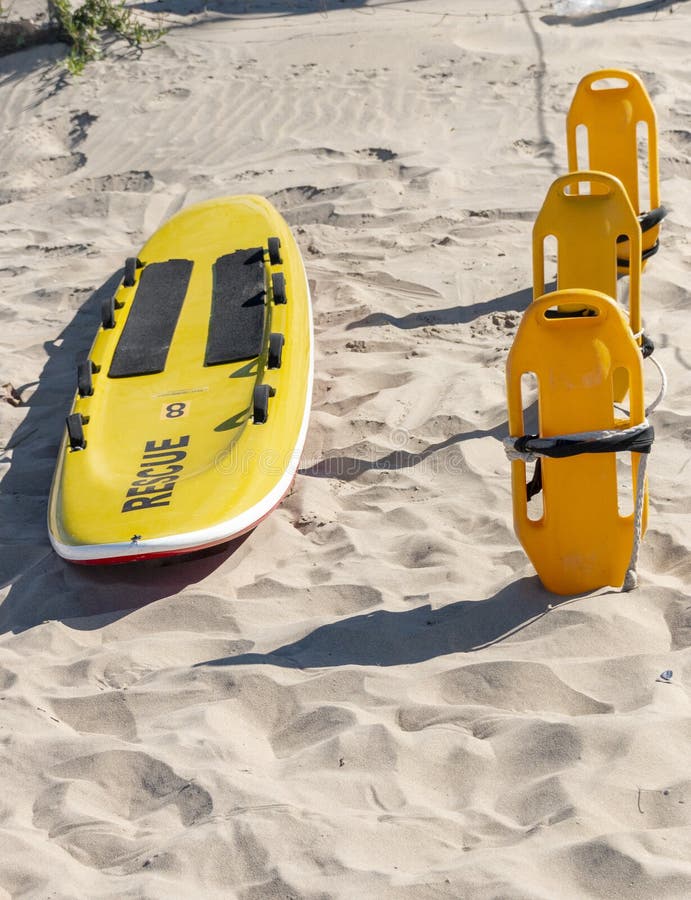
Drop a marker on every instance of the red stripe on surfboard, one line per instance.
(182, 551)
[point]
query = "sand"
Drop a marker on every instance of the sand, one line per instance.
(372, 695)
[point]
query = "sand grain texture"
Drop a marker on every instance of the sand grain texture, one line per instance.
(371, 695)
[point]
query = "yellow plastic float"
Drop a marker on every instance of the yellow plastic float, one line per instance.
(586, 226)
(587, 213)
(612, 105)
(581, 541)
(192, 406)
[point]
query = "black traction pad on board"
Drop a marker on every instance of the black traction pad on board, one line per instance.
(145, 339)
(236, 326)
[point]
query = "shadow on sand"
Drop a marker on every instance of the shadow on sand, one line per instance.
(635, 9)
(384, 638)
(242, 9)
(43, 586)
(86, 598)
(516, 301)
(348, 468)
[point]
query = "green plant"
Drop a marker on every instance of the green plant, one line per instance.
(84, 28)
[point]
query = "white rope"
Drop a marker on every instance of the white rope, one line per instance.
(513, 454)
(663, 386)
(631, 578)
(660, 394)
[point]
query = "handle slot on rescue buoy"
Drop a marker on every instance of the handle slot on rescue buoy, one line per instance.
(278, 287)
(611, 83)
(262, 392)
(583, 312)
(75, 431)
(586, 185)
(276, 342)
(275, 251)
(530, 418)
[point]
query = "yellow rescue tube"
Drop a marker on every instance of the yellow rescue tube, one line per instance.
(192, 407)
(581, 541)
(587, 213)
(617, 116)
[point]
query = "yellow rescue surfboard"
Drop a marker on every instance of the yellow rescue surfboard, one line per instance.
(192, 408)
(584, 537)
(618, 118)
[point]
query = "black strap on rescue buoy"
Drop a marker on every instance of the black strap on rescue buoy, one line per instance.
(532, 447)
(636, 440)
(646, 220)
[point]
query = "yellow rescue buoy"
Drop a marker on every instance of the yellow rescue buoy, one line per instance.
(587, 213)
(582, 540)
(617, 115)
